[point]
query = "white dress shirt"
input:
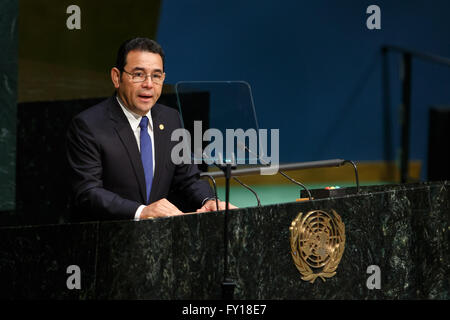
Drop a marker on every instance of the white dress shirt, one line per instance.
(134, 120)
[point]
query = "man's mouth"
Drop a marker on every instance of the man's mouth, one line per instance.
(145, 97)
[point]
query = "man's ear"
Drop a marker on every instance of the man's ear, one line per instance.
(115, 77)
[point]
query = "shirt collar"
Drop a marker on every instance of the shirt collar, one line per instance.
(133, 118)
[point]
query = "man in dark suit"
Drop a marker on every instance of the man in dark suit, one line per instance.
(119, 151)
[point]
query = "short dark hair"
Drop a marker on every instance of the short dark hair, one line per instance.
(139, 44)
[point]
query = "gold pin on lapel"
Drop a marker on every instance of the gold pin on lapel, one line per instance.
(161, 127)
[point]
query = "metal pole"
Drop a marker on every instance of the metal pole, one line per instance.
(406, 115)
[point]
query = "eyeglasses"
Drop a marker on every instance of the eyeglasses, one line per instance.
(140, 76)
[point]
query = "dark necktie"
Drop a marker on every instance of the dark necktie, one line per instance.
(146, 155)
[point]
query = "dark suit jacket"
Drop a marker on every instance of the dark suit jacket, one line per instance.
(106, 170)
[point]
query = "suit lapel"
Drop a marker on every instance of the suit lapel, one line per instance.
(123, 129)
(160, 144)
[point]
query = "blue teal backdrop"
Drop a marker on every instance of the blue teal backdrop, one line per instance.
(316, 69)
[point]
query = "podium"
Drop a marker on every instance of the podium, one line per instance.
(404, 230)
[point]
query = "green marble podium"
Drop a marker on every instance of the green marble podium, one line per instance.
(402, 229)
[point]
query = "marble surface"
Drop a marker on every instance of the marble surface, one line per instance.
(8, 97)
(34, 261)
(404, 230)
(43, 190)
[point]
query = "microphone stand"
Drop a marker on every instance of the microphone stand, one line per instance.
(295, 166)
(228, 284)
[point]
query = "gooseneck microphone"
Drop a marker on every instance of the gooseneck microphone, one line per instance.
(214, 185)
(236, 179)
(247, 187)
(244, 147)
(356, 173)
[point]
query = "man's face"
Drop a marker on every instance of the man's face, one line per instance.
(139, 97)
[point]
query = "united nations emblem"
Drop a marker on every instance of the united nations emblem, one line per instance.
(317, 242)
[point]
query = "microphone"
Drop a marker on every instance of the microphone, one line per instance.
(236, 179)
(244, 147)
(214, 185)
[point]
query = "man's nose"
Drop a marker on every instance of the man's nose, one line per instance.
(147, 83)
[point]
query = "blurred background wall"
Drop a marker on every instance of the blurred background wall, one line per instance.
(316, 69)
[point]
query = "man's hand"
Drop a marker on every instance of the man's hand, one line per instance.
(210, 205)
(160, 208)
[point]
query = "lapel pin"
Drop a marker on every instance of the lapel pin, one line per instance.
(161, 127)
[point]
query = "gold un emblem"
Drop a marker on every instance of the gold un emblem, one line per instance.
(317, 242)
